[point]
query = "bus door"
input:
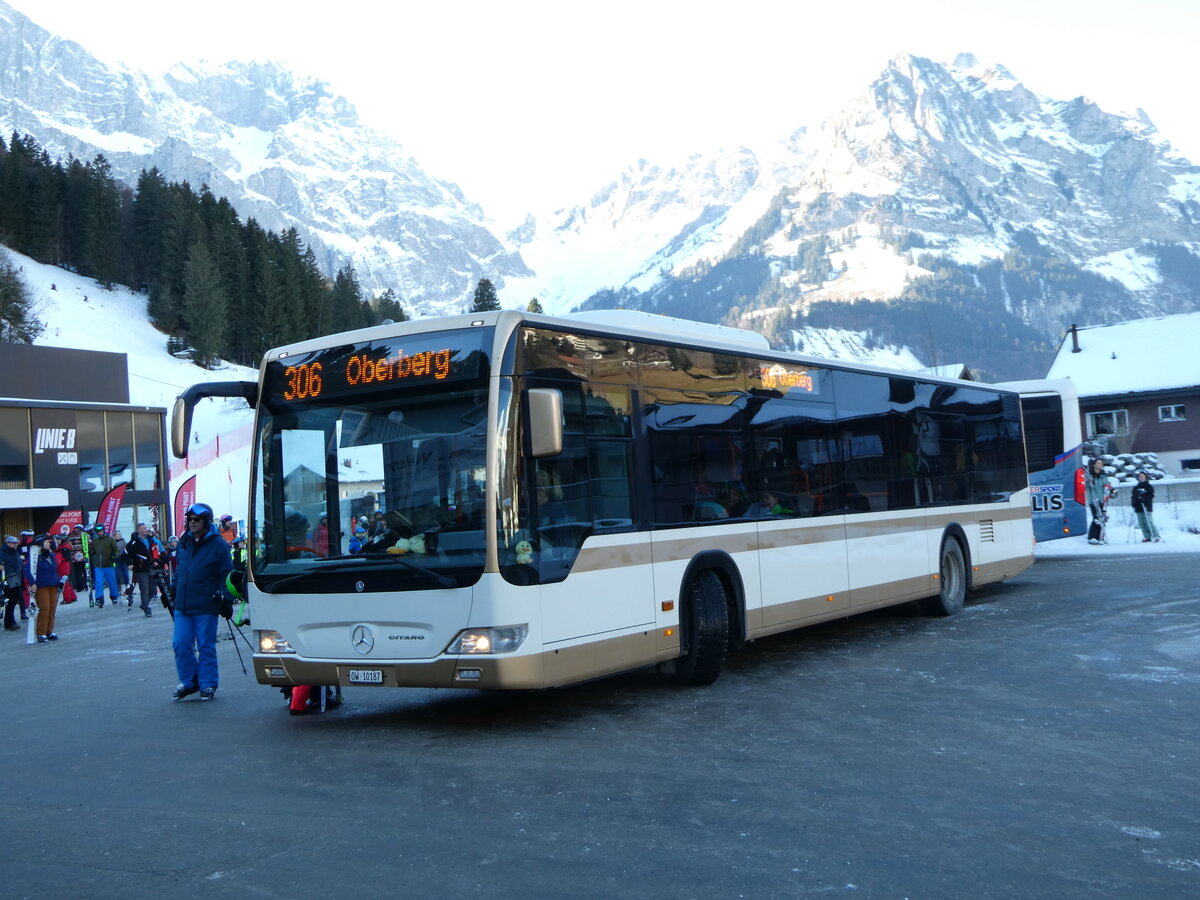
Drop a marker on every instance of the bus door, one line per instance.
(594, 571)
(800, 522)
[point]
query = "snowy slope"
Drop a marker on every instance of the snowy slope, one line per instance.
(80, 314)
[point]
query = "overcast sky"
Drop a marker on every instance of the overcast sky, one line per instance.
(527, 104)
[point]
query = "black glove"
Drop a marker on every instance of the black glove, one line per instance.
(226, 608)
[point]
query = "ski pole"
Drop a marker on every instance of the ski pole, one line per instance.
(236, 647)
(249, 646)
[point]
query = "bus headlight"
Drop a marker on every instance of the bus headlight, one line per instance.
(272, 642)
(501, 639)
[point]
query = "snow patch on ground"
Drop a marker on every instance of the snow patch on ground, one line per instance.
(1130, 267)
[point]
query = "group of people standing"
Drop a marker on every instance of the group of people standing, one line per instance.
(195, 570)
(1099, 492)
(47, 569)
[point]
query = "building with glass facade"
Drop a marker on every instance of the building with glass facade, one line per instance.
(68, 435)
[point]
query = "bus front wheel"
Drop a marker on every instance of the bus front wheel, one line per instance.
(952, 576)
(704, 633)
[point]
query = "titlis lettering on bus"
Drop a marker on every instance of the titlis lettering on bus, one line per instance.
(53, 439)
(361, 369)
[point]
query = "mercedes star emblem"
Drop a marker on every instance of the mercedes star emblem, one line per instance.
(363, 639)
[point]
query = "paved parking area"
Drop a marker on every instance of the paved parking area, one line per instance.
(1044, 743)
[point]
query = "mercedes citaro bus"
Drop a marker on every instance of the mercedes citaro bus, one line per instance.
(565, 498)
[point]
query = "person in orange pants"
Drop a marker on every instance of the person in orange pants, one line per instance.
(46, 582)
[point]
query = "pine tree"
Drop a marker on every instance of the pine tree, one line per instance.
(204, 305)
(534, 306)
(485, 297)
(104, 224)
(387, 306)
(18, 324)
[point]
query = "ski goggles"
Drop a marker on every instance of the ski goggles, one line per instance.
(199, 511)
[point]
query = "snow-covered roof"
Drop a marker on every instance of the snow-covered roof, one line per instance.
(1132, 357)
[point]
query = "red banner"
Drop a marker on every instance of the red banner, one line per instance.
(110, 508)
(67, 520)
(184, 497)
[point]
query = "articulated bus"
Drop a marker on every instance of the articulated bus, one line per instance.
(1054, 449)
(567, 498)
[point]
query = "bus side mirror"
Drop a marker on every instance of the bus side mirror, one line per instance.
(181, 427)
(181, 415)
(545, 422)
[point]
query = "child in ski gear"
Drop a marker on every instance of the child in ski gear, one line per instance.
(1097, 491)
(44, 576)
(200, 596)
(1142, 499)
(228, 529)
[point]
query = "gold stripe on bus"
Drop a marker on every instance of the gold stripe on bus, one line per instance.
(595, 559)
(801, 531)
(677, 549)
(894, 591)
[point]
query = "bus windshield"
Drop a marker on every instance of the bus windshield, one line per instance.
(370, 466)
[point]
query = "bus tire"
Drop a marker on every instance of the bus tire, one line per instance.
(704, 632)
(952, 576)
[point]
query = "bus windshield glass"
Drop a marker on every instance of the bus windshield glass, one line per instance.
(369, 466)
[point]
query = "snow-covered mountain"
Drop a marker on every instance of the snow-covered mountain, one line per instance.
(284, 150)
(963, 156)
(945, 199)
(1049, 211)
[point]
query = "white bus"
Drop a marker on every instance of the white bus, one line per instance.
(568, 498)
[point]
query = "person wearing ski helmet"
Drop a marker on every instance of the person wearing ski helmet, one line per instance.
(200, 597)
(228, 529)
(1096, 492)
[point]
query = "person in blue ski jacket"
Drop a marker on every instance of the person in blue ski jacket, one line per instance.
(200, 596)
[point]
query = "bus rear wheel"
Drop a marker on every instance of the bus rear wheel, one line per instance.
(704, 633)
(952, 575)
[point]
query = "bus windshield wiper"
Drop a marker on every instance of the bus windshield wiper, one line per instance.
(442, 580)
(350, 561)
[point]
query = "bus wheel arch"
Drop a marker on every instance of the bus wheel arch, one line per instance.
(711, 619)
(954, 574)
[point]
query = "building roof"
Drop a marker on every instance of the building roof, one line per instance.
(1157, 354)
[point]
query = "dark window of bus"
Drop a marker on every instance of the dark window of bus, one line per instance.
(607, 410)
(557, 354)
(1043, 431)
(697, 451)
(792, 457)
(560, 518)
(612, 506)
(684, 369)
(877, 440)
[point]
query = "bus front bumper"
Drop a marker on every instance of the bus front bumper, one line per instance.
(501, 672)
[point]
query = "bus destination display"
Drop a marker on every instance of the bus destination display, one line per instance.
(434, 359)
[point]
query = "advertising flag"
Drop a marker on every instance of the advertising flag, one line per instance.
(184, 497)
(110, 508)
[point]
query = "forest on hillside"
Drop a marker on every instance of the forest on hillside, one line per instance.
(223, 288)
